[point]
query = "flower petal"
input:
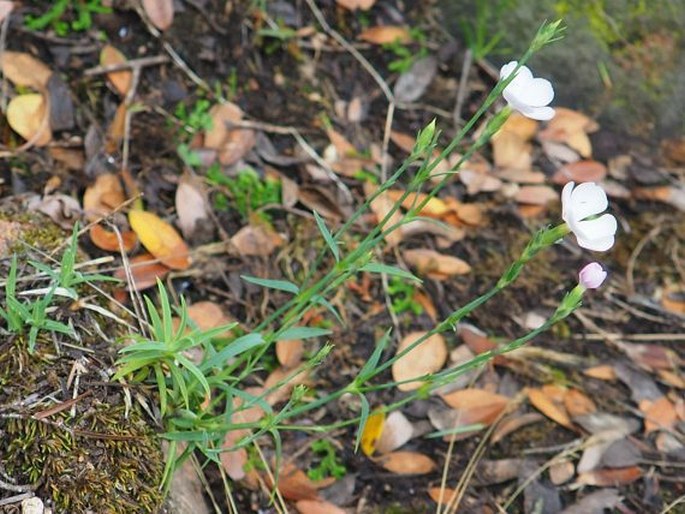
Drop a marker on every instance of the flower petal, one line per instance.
(599, 228)
(540, 113)
(506, 70)
(596, 245)
(535, 92)
(587, 199)
(566, 210)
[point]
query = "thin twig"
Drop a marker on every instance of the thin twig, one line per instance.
(131, 64)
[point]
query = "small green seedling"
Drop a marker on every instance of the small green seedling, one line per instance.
(248, 192)
(328, 465)
(80, 11)
(20, 315)
(402, 293)
(405, 56)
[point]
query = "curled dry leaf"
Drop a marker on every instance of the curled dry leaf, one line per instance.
(191, 205)
(232, 144)
(397, 430)
(121, 80)
(289, 352)
(385, 34)
(601, 372)
(353, 5)
(160, 12)
(256, 240)
(435, 265)
(24, 70)
(317, 507)
(28, 117)
(427, 357)
(571, 128)
(549, 401)
(295, 485)
(407, 463)
(109, 241)
(62, 209)
(145, 270)
(160, 239)
(103, 196)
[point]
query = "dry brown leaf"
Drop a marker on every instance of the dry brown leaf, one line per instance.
(72, 158)
(385, 34)
(561, 472)
(234, 461)
(381, 207)
(343, 148)
(435, 265)
(160, 239)
(498, 471)
(651, 357)
(580, 171)
(223, 115)
(470, 398)
(602, 372)
(28, 117)
(440, 495)
(397, 430)
(536, 195)
(550, 404)
(191, 205)
(295, 485)
(609, 477)
(317, 507)
(427, 357)
(282, 392)
(256, 240)
(404, 141)
(145, 270)
(407, 463)
(511, 151)
(160, 12)
(24, 70)
(103, 196)
(513, 422)
(578, 404)
(289, 352)
(522, 176)
(121, 80)
(109, 241)
(671, 378)
(570, 127)
(479, 182)
(207, 315)
(659, 414)
(469, 213)
(475, 339)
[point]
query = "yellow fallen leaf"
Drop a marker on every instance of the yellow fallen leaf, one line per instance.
(160, 239)
(27, 116)
(372, 432)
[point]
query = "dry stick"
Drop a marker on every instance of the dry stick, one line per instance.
(478, 454)
(630, 267)
(463, 87)
(282, 507)
(3, 46)
(131, 64)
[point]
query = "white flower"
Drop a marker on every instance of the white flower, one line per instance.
(526, 94)
(587, 201)
(592, 276)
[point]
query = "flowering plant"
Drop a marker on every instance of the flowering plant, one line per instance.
(580, 207)
(528, 95)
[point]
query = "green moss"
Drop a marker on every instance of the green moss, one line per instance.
(99, 462)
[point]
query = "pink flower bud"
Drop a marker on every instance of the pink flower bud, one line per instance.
(592, 276)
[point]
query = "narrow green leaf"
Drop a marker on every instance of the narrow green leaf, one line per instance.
(167, 327)
(327, 236)
(377, 267)
(281, 285)
(195, 371)
(320, 300)
(456, 430)
(302, 333)
(179, 380)
(240, 345)
(363, 418)
(161, 387)
(372, 362)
